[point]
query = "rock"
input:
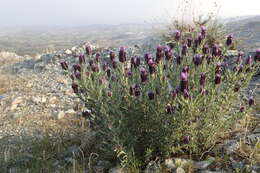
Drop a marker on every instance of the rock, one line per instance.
(253, 138)
(39, 100)
(237, 165)
(256, 130)
(106, 164)
(102, 166)
(74, 48)
(70, 112)
(183, 162)
(16, 102)
(231, 146)
(170, 165)
(152, 167)
(180, 170)
(68, 52)
(99, 169)
(207, 171)
(204, 164)
(116, 170)
(61, 115)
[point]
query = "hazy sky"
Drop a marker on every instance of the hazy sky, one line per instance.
(86, 12)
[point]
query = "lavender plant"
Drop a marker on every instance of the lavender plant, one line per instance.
(178, 100)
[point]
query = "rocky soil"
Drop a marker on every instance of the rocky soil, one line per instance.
(34, 91)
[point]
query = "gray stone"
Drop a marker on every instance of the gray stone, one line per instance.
(180, 170)
(231, 146)
(68, 52)
(207, 171)
(238, 165)
(105, 164)
(61, 115)
(204, 164)
(153, 167)
(257, 130)
(253, 138)
(116, 170)
(169, 163)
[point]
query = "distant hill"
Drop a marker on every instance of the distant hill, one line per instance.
(247, 30)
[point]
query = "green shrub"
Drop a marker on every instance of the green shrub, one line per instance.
(179, 100)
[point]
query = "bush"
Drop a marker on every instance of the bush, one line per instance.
(180, 100)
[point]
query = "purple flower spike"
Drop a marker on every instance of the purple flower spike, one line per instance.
(144, 75)
(205, 49)
(77, 67)
(122, 55)
(177, 35)
(147, 56)
(82, 59)
(184, 81)
(88, 50)
(251, 101)
(229, 40)
(200, 38)
(98, 55)
(108, 72)
(203, 79)
(189, 42)
(242, 109)
(184, 50)
(112, 56)
(179, 59)
(203, 30)
(217, 78)
(168, 53)
(249, 60)
(64, 65)
(95, 68)
(257, 55)
(209, 58)
(75, 88)
(239, 60)
(78, 75)
(186, 69)
(215, 50)
(159, 48)
(137, 90)
(186, 139)
(159, 53)
(197, 59)
(86, 114)
(151, 95)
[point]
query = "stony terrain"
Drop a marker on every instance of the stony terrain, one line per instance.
(35, 96)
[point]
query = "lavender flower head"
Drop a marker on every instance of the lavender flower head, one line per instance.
(177, 35)
(229, 40)
(217, 78)
(205, 49)
(122, 54)
(82, 59)
(257, 55)
(112, 55)
(203, 79)
(184, 50)
(203, 30)
(64, 65)
(88, 50)
(184, 81)
(189, 42)
(197, 59)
